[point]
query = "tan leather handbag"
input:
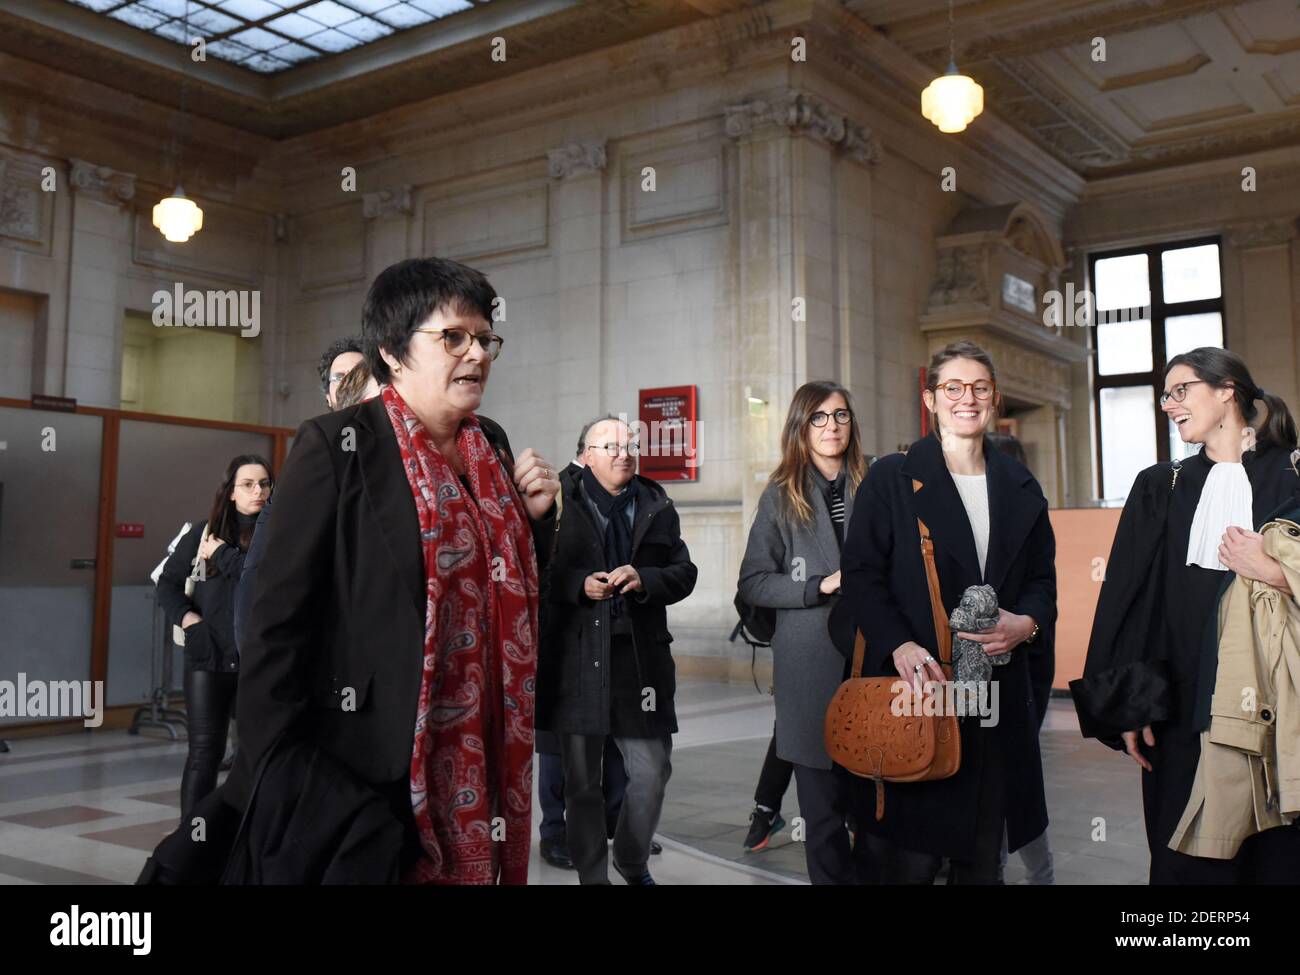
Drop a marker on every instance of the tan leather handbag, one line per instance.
(863, 734)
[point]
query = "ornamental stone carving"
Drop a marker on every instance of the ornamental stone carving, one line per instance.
(102, 182)
(575, 159)
(387, 203)
(802, 114)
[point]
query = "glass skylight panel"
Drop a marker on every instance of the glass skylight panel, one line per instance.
(295, 26)
(329, 13)
(401, 15)
(229, 50)
(271, 35)
(137, 16)
(332, 41)
(441, 8)
(175, 31)
(258, 39)
(366, 30)
(209, 22)
(99, 6)
(293, 53)
(264, 63)
(368, 6)
(169, 8)
(249, 9)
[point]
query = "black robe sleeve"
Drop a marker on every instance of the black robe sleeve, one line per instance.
(1125, 682)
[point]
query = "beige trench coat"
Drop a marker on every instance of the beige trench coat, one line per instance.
(1248, 777)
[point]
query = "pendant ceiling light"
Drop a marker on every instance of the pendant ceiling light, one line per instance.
(177, 216)
(952, 100)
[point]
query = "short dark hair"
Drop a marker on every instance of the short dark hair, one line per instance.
(349, 343)
(403, 297)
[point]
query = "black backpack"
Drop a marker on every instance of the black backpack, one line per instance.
(756, 627)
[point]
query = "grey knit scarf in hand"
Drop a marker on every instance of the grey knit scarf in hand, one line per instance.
(976, 613)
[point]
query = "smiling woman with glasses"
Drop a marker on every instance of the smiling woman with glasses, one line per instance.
(197, 593)
(987, 520)
(400, 580)
(1186, 524)
(791, 572)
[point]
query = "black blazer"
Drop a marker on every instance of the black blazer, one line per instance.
(883, 583)
(339, 603)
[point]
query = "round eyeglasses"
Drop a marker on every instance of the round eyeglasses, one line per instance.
(456, 340)
(955, 389)
(842, 418)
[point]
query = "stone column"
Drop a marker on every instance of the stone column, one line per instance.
(803, 232)
(577, 234)
(99, 261)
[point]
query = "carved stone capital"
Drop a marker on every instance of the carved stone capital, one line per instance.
(19, 208)
(387, 203)
(1263, 233)
(802, 114)
(575, 159)
(102, 182)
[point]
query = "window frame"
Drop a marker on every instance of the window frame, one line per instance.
(1160, 312)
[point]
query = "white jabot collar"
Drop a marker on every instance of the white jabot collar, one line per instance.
(1225, 500)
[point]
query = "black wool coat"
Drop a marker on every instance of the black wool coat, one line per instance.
(883, 583)
(338, 603)
(582, 688)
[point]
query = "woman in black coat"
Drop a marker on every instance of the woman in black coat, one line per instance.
(207, 616)
(1149, 673)
(393, 622)
(988, 519)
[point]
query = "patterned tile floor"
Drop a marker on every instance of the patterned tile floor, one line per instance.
(87, 808)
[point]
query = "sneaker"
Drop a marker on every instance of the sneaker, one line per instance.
(556, 853)
(637, 880)
(763, 825)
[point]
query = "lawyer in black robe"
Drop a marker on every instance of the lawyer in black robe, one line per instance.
(1154, 614)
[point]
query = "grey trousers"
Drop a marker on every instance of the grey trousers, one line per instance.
(1036, 855)
(648, 765)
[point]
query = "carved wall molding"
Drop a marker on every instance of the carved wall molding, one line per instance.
(387, 203)
(575, 159)
(20, 207)
(1262, 233)
(102, 182)
(802, 114)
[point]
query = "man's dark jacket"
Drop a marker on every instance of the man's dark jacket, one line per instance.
(580, 685)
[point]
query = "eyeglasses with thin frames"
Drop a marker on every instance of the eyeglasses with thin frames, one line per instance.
(1179, 392)
(456, 340)
(632, 449)
(955, 389)
(265, 484)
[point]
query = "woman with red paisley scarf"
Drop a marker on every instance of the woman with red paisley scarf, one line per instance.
(395, 619)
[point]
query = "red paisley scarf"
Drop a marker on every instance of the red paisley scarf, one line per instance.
(472, 761)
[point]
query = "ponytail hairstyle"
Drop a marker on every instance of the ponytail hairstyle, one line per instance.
(789, 476)
(223, 520)
(1224, 369)
(961, 349)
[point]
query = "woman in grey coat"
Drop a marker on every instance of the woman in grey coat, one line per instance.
(792, 565)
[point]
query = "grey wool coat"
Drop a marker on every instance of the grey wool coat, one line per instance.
(807, 669)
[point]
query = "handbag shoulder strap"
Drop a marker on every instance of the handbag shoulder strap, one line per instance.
(941, 631)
